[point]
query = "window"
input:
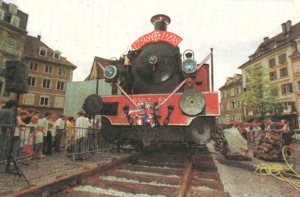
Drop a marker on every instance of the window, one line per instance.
(297, 67)
(272, 63)
(1, 14)
(233, 104)
(43, 51)
(4, 63)
(298, 85)
(15, 21)
(283, 72)
(232, 92)
(273, 75)
(233, 117)
(56, 55)
(33, 66)
(238, 90)
(11, 42)
(31, 81)
(13, 8)
(46, 83)
(60, 85)
(228, 106)
(61, 72)
(227, 94)
(48, 69)
(287, 88)
(282, 58)
(44, 101)
(29, 99)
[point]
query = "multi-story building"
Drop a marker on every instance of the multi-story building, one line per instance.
(230, 106)
(48, 76)
(13, 23)
(280, 54)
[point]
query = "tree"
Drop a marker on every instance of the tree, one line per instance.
(259, 98)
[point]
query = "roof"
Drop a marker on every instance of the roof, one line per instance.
(239, 81)
(32, 47)
(103, 62)
(275, 42)
(21, 15)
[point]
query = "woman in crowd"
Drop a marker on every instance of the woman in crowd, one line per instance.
(285, 132)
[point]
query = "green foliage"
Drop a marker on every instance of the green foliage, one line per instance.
(260, 96)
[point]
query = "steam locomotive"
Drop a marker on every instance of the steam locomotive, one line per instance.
(165, 97)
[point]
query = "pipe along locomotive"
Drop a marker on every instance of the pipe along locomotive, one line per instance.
(166, 96)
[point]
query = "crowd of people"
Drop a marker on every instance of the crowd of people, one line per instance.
(253, 133)
(38, 135)
(241, 136)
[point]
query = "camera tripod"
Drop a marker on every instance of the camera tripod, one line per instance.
(17, 167)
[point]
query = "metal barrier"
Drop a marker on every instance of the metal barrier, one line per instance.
(85, 142)
(21, 143)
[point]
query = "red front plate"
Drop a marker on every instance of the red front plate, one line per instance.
(176, 118)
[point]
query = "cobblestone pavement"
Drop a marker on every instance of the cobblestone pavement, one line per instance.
(49, 169)
(241, 181)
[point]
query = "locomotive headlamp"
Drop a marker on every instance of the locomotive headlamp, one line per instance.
(189, 65)
(110, 72)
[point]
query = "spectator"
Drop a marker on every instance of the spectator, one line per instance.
(38, 144)
(81, 125)
(53, 129)
(71, 135)
(31, 113)
(7, 117)
(267, 127)
(285, 133)
(29, 138)
(47, 139)
(256, 133)
(273, 125)
(19, 136)
(247, 132)
(60, 126)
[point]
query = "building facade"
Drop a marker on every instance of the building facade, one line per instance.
(13, 24)
(280, 54)
(48, 76)
(230, 106)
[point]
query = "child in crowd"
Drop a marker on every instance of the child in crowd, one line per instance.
(39, 134)
(71, 135)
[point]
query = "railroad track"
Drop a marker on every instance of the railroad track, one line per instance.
(163, 172)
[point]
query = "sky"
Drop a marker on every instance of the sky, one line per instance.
(83, 29)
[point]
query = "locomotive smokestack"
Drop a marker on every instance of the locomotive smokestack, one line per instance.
(160, 22)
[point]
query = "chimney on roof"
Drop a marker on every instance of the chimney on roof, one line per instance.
(288, 25)
(266, 39)
(39, 37)
(283, 25)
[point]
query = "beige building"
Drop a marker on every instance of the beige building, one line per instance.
(48, 77)
(280, 54)
(13, 23)
(230, 106)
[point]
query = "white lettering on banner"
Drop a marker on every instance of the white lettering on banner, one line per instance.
(148, 100)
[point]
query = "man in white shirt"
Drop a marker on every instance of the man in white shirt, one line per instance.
(47, 140)
(60, 126)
